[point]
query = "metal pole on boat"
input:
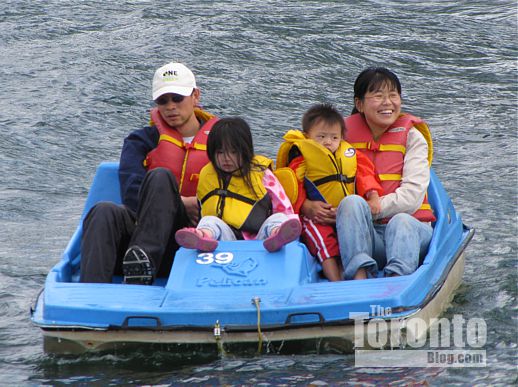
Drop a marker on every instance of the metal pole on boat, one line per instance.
(256, 301)
(217, 336)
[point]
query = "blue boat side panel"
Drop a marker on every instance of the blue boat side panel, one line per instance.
(448, 220)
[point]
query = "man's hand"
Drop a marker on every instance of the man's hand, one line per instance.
(193, 209)
(319, 212)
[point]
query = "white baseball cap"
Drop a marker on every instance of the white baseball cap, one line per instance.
(173, 78)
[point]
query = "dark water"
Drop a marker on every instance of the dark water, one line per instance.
(75, 79)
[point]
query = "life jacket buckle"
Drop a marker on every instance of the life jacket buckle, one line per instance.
(221, 192)
(373, 145)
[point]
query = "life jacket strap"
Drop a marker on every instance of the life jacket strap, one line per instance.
(180, 144)
(380, 147)
(227, 194)
(337, 177)
(389, 176)
(165, 137)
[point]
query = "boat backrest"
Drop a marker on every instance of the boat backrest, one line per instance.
(105, 186)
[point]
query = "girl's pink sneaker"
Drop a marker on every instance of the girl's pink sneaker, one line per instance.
(192, 238)
(287, 232)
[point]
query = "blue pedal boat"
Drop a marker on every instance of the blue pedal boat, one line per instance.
(241, 294)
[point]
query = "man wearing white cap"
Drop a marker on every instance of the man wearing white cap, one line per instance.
(158, 173)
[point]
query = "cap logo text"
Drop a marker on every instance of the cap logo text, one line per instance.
(170, 73)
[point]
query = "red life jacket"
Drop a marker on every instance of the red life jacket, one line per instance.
(388, 152)
(184, 160)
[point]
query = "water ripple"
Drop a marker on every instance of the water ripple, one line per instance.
(77, 80)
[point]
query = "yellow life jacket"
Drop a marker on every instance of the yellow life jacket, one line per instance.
(233, 201)
(328, 177)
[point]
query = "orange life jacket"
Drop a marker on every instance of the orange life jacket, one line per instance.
(388, 152)
(184, 160)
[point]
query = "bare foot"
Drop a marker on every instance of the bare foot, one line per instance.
(360, 274)
(332, 269)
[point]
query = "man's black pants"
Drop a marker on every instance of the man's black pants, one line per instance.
(109, 229)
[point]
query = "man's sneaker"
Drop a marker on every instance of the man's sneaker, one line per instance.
(287, 232)
(137, 267)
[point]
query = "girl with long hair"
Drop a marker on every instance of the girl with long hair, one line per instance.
(240, 196)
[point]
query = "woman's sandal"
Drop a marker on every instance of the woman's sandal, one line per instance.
(287, 232)
(192, 238)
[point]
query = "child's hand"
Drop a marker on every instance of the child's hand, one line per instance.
(374, 202)
(193, 209)
(319, 212)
